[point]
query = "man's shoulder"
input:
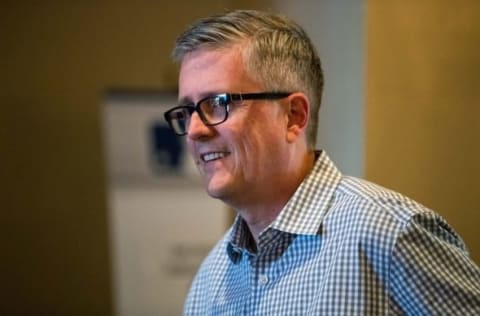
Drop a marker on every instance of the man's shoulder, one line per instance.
(362, 199)
(375, 217)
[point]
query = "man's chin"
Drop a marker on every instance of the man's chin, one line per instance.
(215, 193)
(216, 190)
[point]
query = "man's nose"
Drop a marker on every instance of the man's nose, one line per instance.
(197, 129)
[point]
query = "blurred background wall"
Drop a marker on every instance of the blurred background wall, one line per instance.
(57, 60)
(420, 119)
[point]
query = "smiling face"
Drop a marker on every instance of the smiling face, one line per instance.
(241, 159)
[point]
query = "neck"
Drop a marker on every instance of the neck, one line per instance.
(258, 215)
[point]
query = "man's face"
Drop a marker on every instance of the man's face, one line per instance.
(239, 160)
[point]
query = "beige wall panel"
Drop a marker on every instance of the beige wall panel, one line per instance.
(423, 106)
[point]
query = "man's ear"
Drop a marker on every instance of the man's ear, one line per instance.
(297, 115)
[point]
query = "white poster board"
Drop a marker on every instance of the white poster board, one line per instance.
(162, 222)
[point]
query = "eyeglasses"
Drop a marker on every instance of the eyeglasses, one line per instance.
(212, 110)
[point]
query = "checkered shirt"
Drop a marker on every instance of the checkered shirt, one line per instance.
(341, 246)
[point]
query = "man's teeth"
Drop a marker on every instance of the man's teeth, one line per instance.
(212, 156)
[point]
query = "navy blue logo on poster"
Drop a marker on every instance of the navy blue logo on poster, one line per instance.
(166, 149)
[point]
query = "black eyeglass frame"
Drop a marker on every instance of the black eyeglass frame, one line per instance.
(230, 98)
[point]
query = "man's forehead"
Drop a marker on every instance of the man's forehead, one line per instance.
(210, 71)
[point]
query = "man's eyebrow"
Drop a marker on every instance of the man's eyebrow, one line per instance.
(187, 100)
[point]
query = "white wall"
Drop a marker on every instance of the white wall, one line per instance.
(337, 30)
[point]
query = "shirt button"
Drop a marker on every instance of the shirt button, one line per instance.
(263, 279)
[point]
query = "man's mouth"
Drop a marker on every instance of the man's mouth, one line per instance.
(213, 156)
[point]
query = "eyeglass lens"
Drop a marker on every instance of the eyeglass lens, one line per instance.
(212, 110)
(179, 120)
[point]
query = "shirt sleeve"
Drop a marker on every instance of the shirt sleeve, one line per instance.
(431, 272)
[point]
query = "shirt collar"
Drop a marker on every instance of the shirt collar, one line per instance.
(306, 209)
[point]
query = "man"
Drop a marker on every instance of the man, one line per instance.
(307, 240)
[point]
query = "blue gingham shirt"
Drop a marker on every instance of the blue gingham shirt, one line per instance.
(341, 246)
